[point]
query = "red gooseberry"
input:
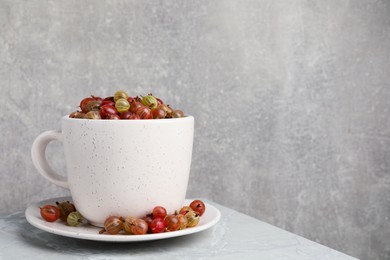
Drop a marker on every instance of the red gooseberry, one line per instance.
(198, 206)
(107, 110)
(159, 113)
(144, 112)
(134, 106)
(84, 103)
(157, 225)
(159, 212)
(50, 213)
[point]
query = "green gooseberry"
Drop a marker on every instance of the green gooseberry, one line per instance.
(192, 218)
(120, 94)
(122, 105)
(149, 101)
(74, 218)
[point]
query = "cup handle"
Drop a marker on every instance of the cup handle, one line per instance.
(38, 155)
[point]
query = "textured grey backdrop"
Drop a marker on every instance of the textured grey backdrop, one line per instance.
(291, 100)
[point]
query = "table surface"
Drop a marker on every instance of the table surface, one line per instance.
(235, 236)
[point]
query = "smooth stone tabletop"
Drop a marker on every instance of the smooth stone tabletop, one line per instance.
(235, 236)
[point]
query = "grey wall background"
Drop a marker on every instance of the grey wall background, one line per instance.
(291, 100)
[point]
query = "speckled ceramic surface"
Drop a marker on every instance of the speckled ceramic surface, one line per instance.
(89, 232)
(121, 167)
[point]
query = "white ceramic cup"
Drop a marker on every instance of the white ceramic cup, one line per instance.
(121, 167)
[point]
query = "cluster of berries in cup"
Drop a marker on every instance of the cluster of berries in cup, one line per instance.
(123, 106)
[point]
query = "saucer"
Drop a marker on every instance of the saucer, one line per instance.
(86, 231)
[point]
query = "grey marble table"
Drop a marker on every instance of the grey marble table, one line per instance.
(235, 236)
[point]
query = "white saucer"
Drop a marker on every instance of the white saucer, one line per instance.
(89, 232)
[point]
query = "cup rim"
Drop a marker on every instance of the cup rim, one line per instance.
(186, 117)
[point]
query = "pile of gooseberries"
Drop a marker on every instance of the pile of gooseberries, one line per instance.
(65, 211)
(123, 106)
(158, 221)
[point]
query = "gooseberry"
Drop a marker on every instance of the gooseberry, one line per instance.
(120, 94)
(92, 105)
(65, 209)
(134, 106)
(139, 227)
(107, 110)
(166, 108)
(158, 113)
(157, 225)
(84, 103)
(171, 223)
(198, 206)
(177, 114)
(113, 225)
(74, 218)
(50, 213)
(149, 101)
(93, 115)
(77, 114)
(159, 212)
(192, 218)
(122, 105)
(144, 112)
(126, 115)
